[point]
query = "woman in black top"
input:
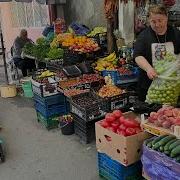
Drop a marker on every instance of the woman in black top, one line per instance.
(152, 44)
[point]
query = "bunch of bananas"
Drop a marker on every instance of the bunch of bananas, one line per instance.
(46, 73)
(107, 63)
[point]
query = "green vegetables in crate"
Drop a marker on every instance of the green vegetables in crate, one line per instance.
(40, 51)
(55, 53)
(29, 49)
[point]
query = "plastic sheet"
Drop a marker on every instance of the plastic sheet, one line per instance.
(158, 166)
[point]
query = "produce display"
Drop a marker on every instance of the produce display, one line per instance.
(55, 53)
(97, 30)
(166, 88)
(118, 123)
(166, 144)
(166, 117)
(44, 73)
(74, 92)
(106, 63)
(109, 91)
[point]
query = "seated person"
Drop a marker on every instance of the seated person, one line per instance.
(22, 63)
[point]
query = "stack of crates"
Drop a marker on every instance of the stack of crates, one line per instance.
(112, 170)
(85, 115)
(49, 109)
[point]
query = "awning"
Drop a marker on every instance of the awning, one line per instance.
(39, 1)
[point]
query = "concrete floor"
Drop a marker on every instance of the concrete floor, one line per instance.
(33, 153)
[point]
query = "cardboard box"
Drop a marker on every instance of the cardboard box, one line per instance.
(158, 131)
(126, 150)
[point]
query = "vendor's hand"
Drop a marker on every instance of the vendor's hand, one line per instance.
(151, 73)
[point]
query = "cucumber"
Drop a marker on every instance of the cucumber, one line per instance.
(158, 139)
(165, 140)
(177, 159)
(175, 152)
(161, 148)
(166, 147)
(149, 144)
(167, 153)
(173, 145)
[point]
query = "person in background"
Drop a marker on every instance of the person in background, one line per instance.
(152, 44)
(22, 63)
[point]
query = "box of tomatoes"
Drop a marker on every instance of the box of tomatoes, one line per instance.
(119, 135)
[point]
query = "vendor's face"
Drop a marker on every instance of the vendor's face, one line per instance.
(158, 23)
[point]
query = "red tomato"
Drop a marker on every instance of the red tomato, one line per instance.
(111, 129)
(117, 113)
(131, 123)
(122, 119)
(130, 131)
(104, 124)
(115, 125)
(110, 117)
(122, 127)
(121, 132)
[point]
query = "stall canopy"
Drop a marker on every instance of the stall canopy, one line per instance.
(39, 1)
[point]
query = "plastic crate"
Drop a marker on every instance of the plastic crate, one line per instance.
(40, 89)
(91, 111)
(113, 170)
(49, 123)
(122, 79)
(59, 99)
(85, 137)
(27, 89)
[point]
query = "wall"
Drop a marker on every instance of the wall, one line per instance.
(9, 32)
(88, 12)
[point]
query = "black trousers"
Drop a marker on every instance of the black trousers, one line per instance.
(25, 64)
(142, 92)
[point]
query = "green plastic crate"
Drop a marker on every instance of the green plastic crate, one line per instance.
(49, 123)
(27, 88)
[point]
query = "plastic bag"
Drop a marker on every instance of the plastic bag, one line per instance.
(165, 89)
(159, 166)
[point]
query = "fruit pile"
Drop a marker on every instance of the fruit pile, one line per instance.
(106, 63)
(118, 123)
(166, 89)
(168, 145)
(89, 78)
(66, 118)
(109, 91)
(97, 30)
(166, 117)
(45, 73)
(124, 71)
(74, 92)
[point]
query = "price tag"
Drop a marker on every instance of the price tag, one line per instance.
(177, 131)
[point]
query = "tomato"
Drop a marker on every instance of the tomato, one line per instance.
(111, 129)
(115, 125)
(122, 119)
(117, 113)
(104, 124)
(110, 117)
(122, 127)
(130, 131)
(131, 123)
(121, 132)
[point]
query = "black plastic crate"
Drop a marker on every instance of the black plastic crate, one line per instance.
(94, 109)
(133, 97)
(85, 137)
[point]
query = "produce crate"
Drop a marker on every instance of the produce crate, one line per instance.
(40, 89)
(125, 150)
(49, 123)
(59, 99)
(71, 58)
(157, 165)
(112, 170)
(94, 110)
(55, 64)
(132, 97)
(85, 130)
(27, 89)
(122, 79)
(51, 110)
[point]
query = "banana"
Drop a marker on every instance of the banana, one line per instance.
(110, 56)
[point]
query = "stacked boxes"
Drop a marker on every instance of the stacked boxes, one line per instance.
(50, 108)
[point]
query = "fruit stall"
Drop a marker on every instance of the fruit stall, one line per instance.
(79, 88)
